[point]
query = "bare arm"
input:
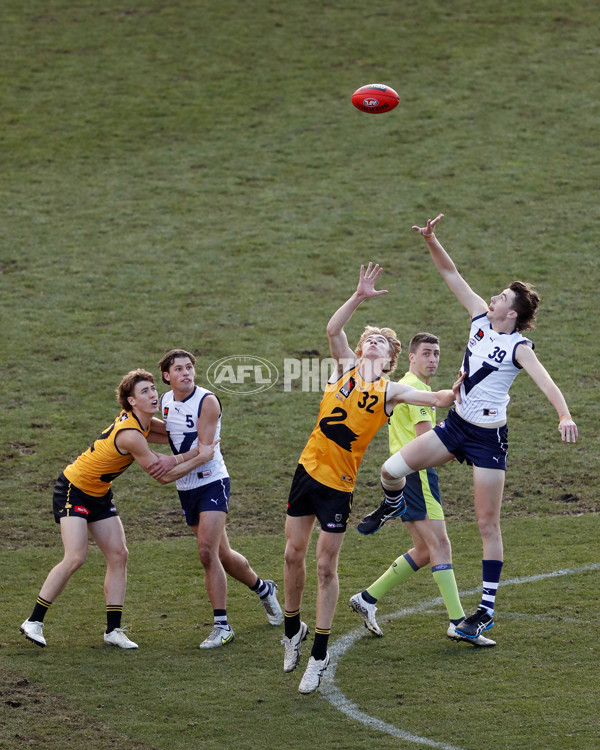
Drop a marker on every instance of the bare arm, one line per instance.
(398, 393)
(526, 357)
(163, 463)
(208, 420)
(158, 433)
(132, 441)
(472, 302)
(338, 341)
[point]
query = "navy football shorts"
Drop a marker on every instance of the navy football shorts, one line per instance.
(486, 447)
(212, 496)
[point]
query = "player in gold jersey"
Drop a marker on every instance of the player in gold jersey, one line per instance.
(358, 400)
(83, 501)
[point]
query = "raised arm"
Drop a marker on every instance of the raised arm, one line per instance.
(526, 357)
(338, 341)
(472, 302)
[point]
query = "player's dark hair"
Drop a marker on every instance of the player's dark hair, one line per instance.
(166, 362)
(127, 386)
(421, 338)
(526, 305)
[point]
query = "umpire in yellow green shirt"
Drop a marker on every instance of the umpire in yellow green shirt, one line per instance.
(424, 516)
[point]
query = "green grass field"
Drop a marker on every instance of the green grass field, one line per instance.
(194, 174)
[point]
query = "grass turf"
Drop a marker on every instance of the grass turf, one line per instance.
(194, 174)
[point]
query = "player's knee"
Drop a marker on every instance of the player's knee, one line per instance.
(294, 553)
(118, 556)
(326, 570)
(489, 527)
(207, 552)
(394, 470)
(74, 560)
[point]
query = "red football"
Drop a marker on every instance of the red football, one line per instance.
(375, 98)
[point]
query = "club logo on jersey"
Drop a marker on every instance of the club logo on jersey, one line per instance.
(348, 387)
(479, 335)
(334, 429)
(165, 412)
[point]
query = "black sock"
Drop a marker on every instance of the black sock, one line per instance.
(291, 623)
(113, 616)
(40, 609)
(319, 649)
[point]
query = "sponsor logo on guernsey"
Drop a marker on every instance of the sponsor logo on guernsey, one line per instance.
(81, 509)
(348, 387)
(204, 474)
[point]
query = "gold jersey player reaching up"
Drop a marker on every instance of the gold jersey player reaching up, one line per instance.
(358, 400)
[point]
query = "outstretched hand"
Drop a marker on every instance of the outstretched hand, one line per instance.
(568, 430)
(366, 282)
(429, 228)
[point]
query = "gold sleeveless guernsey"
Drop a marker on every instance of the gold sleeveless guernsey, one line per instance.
(93, 471)
(350, 414)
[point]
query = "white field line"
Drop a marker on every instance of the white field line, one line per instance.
(338, 700)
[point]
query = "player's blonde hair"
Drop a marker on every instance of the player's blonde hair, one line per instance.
(393, 341)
